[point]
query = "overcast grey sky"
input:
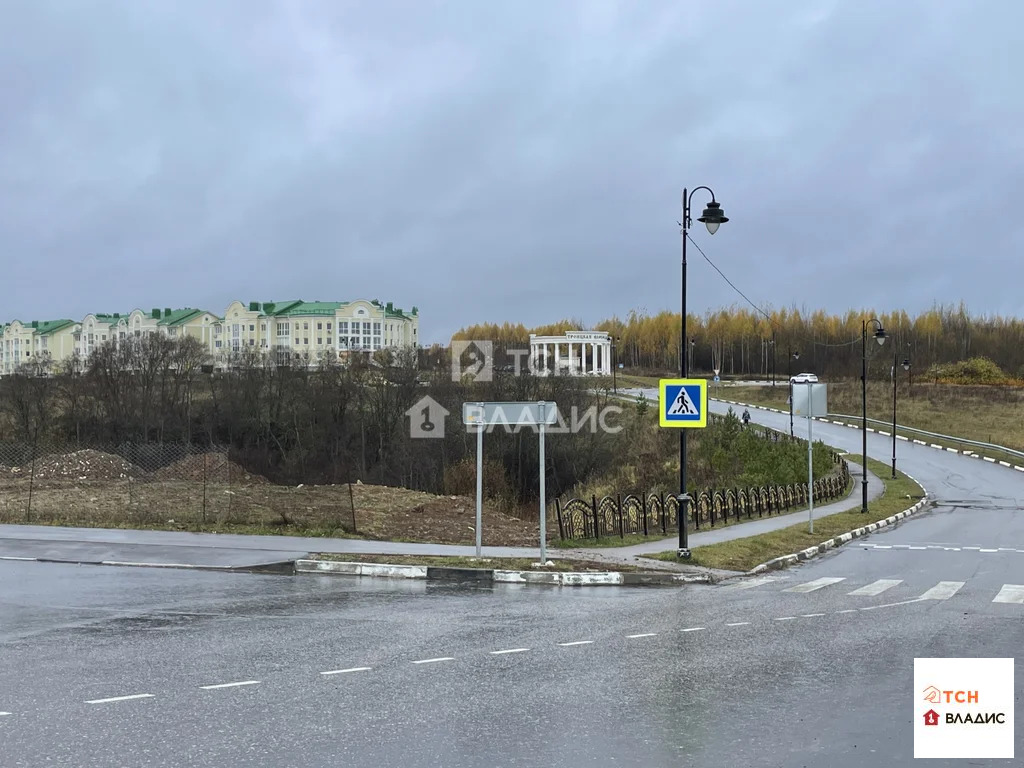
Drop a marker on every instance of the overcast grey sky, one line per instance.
(497, 160)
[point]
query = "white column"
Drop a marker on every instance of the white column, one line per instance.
(545, 359)
(608, 357)
(558, 357)
(593, 363)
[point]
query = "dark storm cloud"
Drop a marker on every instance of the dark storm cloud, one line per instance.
(507, 160)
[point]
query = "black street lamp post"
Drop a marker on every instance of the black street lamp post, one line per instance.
(712, 218)
(880, 337)
(906, 367)
(773, 357)
(791, 357)
(615, 364)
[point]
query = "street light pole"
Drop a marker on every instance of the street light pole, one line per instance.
(712, 218)
(906, 367)
(880, 337)
(894, 414)
(791, 356)
(773, 357)
(615, 365)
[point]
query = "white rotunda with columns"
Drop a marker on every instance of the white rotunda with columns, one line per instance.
(577, 353)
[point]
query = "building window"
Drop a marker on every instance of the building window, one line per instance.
(319, 326)
(343, 327)
(296, 340)
(283, 329)
(376, 329)
(305, 340)
(252, 342)
(252, 327)
(366, 328)
(305, 326)
(319, 340)
(328, 326)
(217, 343)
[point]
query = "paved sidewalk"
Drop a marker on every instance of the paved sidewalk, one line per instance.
(740, 531)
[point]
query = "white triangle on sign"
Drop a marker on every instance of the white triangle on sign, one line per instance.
(683, 405)
(717, 370)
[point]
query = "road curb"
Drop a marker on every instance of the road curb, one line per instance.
(499, 576)
(838, 541)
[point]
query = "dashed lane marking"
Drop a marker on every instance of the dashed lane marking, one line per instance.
(577, 642)
(112, 699)
(346, 671)
(890, 605)
(738, 624)
(785, 618)
(509, 650)
(692, 629)
(643, 634)
(434, 661)
(811, 615)
(239, 684)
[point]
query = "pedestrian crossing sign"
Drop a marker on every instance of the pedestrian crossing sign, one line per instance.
(683, 403)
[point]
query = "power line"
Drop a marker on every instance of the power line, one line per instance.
(730, 282)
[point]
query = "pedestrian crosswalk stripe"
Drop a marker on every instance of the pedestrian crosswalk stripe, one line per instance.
(750, 583)
(877, 587)
(943, 590)
(1010, 593)
(810, 586)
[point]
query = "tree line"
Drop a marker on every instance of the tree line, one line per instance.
(317, 422)
(742, 342)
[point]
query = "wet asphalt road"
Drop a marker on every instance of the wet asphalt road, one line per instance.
(703, 675)
(700, 675)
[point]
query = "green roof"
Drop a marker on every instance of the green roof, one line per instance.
(308, 308)
(45, 327)
(179, 316)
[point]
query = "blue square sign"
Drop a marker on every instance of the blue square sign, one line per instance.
(683, 403)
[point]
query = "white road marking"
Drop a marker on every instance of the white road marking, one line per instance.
(810, 586)
(882, 546)
(738, 624)
(877, 587)
(1010, 593)
(811, 615)
(848, 610)
(346, 671)
(644, 634)
(433, 661)
(577, 642)
(4, 714)
(509, 650)
(973, 548)
(751, 583)
(692, 629)
(943, 590)
(913, 547)
(121, 698)
(890, 605)
(229, 685)
(23, 559)
(988, 550)
(785, 618)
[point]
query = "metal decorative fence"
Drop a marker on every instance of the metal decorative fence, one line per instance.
(655, 514)
(163, 484)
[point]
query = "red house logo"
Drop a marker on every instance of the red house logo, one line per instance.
(931, 717)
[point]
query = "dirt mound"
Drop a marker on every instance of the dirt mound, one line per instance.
(85, 464)
(212, 467)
